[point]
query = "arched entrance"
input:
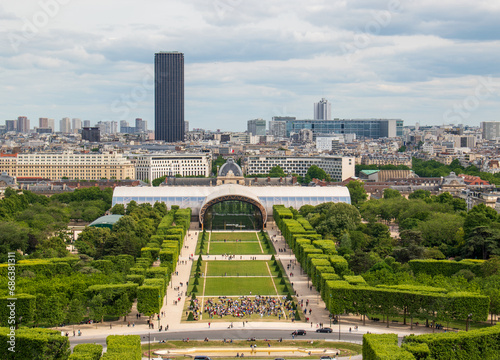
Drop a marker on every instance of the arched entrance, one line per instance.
(232, 212)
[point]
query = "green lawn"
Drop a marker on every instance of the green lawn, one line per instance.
(233, 268)
(234, 235)
(219, 248)
(239, 286)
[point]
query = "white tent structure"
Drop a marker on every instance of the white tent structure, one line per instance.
(200, 198)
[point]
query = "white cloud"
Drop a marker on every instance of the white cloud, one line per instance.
(248, 59)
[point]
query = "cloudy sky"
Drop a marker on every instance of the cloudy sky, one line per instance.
(432, 62)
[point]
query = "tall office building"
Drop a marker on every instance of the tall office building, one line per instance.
(323, 110)
(77, 125)
(65, 125)
(169, 96)
(23, 124)
(490, 129)
(277, 128)
(10, 125)
(256, 127)
(86, 123)
(141, 126)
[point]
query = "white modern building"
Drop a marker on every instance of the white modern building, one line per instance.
(323, 110)
(153, 166)
(338, 167)
(200, 198)
(65, 125)
(490, 129)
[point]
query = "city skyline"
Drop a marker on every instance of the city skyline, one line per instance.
(421, 62)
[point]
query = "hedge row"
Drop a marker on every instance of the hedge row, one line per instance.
(342, 297)
(86, 351)
(33, 344)
(123, 347)
(476, 344)
(384, 347)
(24, 306)
(465, 345)
(445, 267)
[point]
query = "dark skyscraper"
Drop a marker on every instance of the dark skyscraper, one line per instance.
(169, 96)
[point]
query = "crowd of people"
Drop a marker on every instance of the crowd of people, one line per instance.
(247, 306)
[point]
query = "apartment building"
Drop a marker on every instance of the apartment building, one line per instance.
(338, 167)
(153, 166)
(56, 166)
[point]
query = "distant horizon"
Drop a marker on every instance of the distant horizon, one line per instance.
(426, 62)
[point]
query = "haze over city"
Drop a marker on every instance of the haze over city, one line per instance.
(421, 61)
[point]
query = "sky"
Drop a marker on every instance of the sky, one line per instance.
(431, 62)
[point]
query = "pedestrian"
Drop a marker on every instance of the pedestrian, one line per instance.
(209, 325)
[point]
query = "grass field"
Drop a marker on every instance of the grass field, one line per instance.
(236, 248)
(233, 235)
(232, 286)
(233, 268)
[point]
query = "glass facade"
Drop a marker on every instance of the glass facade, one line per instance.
(368, 128)
(232, 215)
(169, 96)
(196, 202)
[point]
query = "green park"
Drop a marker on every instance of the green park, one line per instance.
(440, 271)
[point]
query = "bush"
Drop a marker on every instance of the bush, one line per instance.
(34, 344)
(86, 351)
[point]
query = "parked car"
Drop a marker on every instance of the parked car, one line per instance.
(326, 357)
(201, 357)
(324, 330)
(299, 332)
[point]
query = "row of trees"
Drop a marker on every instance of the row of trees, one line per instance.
(37, 225)
(373, 253)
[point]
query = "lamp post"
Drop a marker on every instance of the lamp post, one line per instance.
(339, 326)
(467, 324)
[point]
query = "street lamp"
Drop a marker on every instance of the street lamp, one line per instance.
(467, 324)
(339, 326)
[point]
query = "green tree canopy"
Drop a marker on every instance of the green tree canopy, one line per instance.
(357, 192)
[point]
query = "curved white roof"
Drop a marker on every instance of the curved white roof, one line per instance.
(250, 191)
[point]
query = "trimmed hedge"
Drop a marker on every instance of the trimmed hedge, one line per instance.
(445, 267)
(383, 347)
(149, 299)
(138, 279)
(86, 351)
(24, 306)
(124, 347)
(475, 344)
(34, 344)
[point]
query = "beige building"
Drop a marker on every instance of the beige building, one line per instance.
(69, 165)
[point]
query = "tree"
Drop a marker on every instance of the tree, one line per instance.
(91, 213)
(76, 311)
(315, 172)
(277, 171)
(118, 209)
(49, 309)
(97, 310)
(122, 306)
(420, 194)
(482, 242)
(357, 192)
(217, 163)
(91, 241)
(334, 218)
(391, 193)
